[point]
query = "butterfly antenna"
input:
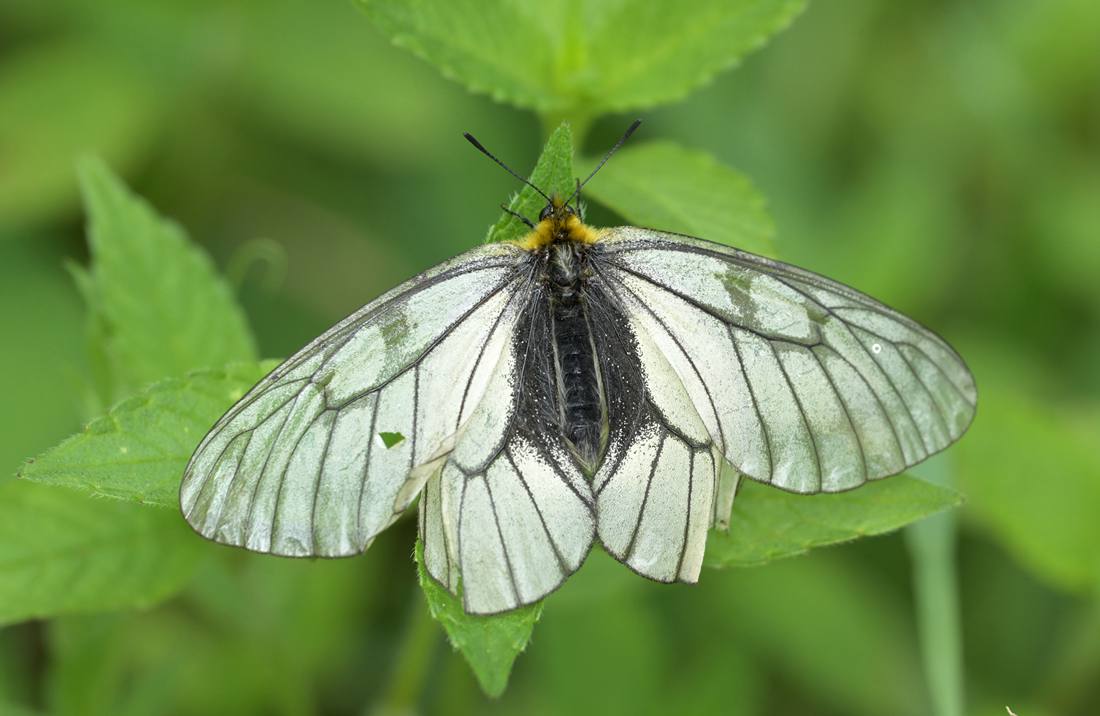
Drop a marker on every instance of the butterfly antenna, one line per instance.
(486, 152)
(626, 135)
(517, 215)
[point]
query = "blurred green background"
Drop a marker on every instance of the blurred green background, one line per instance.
(942, 156)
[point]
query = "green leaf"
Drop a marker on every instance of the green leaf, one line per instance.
(489, 644)
(581, 58)
(57, 101)
(62, 553)
(284, 76)
(9, 708)
(282, 627)
(769, 524)
(156, 299)
(1030, 467)
(390, 439)
(826, 626)
(41, 320)
(661, 185)
(553, 173)
(606, 625)
(138, 450)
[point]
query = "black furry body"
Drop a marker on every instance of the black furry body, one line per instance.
(578, 359)
(567, 277)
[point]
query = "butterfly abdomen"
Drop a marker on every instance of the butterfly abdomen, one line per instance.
(580, 402)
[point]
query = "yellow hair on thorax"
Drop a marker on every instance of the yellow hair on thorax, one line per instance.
(553, 229)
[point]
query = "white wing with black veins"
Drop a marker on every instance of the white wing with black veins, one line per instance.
(507, 514)
(300, 467)
(801, 382)
(449, 387)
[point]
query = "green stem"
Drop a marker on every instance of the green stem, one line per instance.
(410, 669)
(931, 544)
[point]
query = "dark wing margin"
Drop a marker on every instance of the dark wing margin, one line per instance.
(802, 382)
(297, 467)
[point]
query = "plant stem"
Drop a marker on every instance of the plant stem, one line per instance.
(931, 544)
(410, 668)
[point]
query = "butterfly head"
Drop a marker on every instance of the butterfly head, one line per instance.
(558, 221)
(557, 210)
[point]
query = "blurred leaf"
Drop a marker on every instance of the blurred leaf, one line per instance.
(259, 61)
(138, 450)
(39, 379)
(10, 708)
(285, 76)
(16, 671)
(553, 174)
(288, 632)
(583, 646)
(87, 655)
(611, 643)
(581, 59)
(490, 644)
(894, 234)
(661, 185)
(62, 553)
(1051, 46)
(1031, 468)
(57, 101)
(160, 304)
(769, 524)
(836, 634)
(1064, 227)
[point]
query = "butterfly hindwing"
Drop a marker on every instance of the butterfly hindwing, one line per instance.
(507, 515)
(655, 488)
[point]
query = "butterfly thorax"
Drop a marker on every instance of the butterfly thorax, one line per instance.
(558, 223)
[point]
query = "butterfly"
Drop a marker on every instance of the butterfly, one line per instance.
(578, 385)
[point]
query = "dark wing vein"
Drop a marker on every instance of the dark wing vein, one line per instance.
(629, 551)
(687, 513)
(755, 403)
(503, 544)
(317, 485)
(801, 412)
(847, 414)
(366, 468)
(538, 510)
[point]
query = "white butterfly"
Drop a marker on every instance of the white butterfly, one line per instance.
(573, 386)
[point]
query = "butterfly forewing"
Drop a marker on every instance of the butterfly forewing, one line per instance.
(299, 466)
(804, 383)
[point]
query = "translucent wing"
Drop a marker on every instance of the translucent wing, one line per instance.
(800, 381)
(318, 457)
(507, 515)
